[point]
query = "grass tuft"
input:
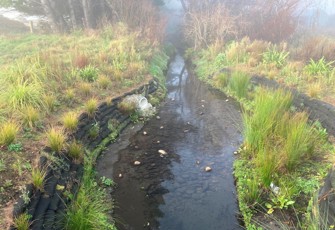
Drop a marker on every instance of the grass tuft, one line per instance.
(76, 151)
(56, 139)
(38, 177)
(30, 116)
(70, 121)
(103, 82)
(239, 84)
(8, 132)
(22, 222)
(91, 106)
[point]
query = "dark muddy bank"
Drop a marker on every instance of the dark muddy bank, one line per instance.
(197, 127)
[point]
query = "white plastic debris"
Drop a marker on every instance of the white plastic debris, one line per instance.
(275, 189)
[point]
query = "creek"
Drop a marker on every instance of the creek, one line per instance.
(198, 127)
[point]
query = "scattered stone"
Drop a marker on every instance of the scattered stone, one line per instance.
(136, 147)
(172, 99)
(186, 130)
(145, 133)
(162, 152)
(162, 127)
(208, 169)
(227, 100)
(120, 175)
(158, 142)
(202, 100)
(235, 153)
(158, 117)
(197, 162)
(188, 123)
(202, 106)
(137, 163)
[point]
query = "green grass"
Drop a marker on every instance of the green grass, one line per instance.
(75, 150)
(56, 139)
(70, 121)
(91, 107)
(8, 132)
(238, 84)
(22, 222)
(320, 67)
(30, 116)
(38, 177)
(89, 73)
(273, 56)
(89, 211)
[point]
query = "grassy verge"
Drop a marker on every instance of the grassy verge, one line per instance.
(48, 80)
(315, 77)
(284, 157)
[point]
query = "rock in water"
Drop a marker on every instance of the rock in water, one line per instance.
(137, 163)
(208, 169)
(163, 152)
(145, 133)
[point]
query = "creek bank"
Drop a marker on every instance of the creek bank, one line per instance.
(47, 207)
(325, 114)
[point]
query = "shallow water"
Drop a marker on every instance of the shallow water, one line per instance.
(198, 127)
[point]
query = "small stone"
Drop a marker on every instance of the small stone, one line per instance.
(120, 175)
(158, 142)
(197, 162)
(162, 127)
(202, 113)
(235, 153)
(136, 147)
(188, 123)
(172, 99)
(202, 100)
(202, 106)
(162, 152)
(158, 117)
(227, 100)
(137, 163)
(208, 169)
(145, 133)
(186, 130)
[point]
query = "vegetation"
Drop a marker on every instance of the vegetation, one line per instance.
(91, 106)
(38, 177)
(8, 133)
(70, 121)
(56, 139)
(276, 169)
(22, 222)
(76, 151)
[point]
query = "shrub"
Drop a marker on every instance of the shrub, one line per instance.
(89, 73)
(76, 151)
(30, 116)
(56, 139)
(8, 132)
(91, 106)
(70, 121)
(220, 80)
(238, 84)
(22, 222)
(38, 178)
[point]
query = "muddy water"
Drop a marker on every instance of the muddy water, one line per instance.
(198, 127)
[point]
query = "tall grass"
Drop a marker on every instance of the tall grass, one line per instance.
(90, 209)
(239, 84)
(268, 107)
(56, 139)
(8, 132)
